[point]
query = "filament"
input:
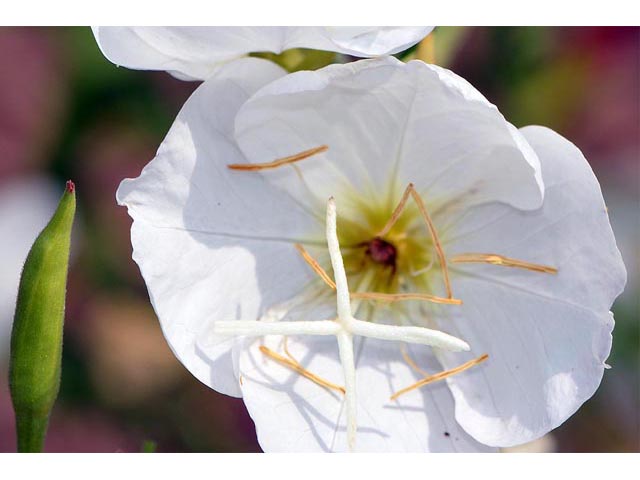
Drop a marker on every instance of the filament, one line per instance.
(383, 297)
(410, 190)
(285, 347)
(415, 273)
(313, 263)
(436, 240)
(407, 358)
(396, 213)
(280, 161)
(397, 297)
(494, 259)
(440, 376)
(296, 367)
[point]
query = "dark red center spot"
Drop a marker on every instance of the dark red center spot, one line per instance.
(382, 252)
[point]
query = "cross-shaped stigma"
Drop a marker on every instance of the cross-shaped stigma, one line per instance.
(344, 328)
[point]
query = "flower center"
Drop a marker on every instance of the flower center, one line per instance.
(382, 252)
(388, 247)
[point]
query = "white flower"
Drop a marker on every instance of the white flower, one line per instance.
(193, 53)
(229, 226)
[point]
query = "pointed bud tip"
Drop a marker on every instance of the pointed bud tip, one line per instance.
(71, 187)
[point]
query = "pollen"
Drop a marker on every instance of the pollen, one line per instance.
(280, 161)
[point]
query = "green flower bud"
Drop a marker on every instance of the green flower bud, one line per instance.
(36, 338)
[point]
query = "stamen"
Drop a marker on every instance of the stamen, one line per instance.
(440, 376)
(410, 190)
(383, 297)
(415, 273)
(280, 161)
(434, 236)
(295, 366)
(313, 377)
(407, 358)
(503, 261)
(396, 213)
(313, 263)
(285, 347)
(397, 297)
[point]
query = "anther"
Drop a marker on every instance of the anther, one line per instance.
(494, 259)
(280, 161)
(296, 367)
(440, 376)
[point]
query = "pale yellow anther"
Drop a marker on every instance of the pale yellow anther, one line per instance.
(440, 376)
(494, 259)
(280, 161)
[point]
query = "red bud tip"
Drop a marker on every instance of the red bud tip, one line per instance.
(71, 187)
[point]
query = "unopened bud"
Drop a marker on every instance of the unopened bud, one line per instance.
(36, 338)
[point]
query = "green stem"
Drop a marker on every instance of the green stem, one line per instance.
(31, 430)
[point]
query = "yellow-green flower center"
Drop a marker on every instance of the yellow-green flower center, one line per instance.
(398, 261)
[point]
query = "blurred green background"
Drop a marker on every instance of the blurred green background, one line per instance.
(66, 112)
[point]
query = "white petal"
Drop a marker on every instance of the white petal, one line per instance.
(195, 279)
(195, 52)
(387, 124)
(294, 414)
(358, 41)
(212, 244)
(188, 184)
(191, 52)
(547, 336)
